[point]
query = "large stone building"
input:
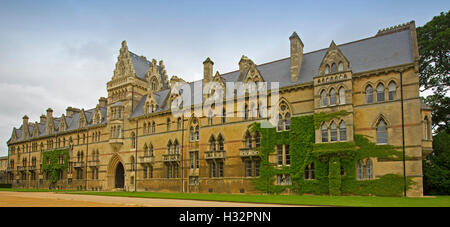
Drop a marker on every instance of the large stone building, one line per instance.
(131, 141)
(3, 167)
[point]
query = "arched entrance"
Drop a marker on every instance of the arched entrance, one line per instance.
(115, 173)
(119, 177)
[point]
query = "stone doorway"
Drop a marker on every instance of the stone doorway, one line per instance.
(119, 177)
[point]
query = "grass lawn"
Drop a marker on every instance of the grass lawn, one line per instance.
(359, 201)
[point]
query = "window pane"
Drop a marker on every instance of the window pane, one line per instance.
(381, 133)
(369, 94)
(287, 154)
(280, 154)
(248, 168)
(360, 170)
(333, 132)
(380, 93)
(369, 169)
(287, 121)
(323, 98)
(341, 67)
(332, 97)
(342, 132)
(324, 133)
(280, 122)
(341, 96)
(392, 90)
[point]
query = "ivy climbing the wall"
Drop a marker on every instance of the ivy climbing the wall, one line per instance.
(53, 162)
(334, 163)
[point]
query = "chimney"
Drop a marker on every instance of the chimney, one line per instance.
(25, 120)
(102, 102)
(244, 64)
(207, 70)
(43, 119)
(49, 113)
(70, 111)
(296, 56)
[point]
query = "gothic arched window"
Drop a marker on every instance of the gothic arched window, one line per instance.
(342, 131)
(332, 97)
(212, 144)
(220, 143)
(333, 132)
(392, 87)
(369, 169)
(380, 93)
(324, 130)
(341, 67)
(323, 98)
(381, 132)
(341, 96)
(360, 170)
(369, 94)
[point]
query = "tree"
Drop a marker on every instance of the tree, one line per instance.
(434, 49)
(434, 66)
(436, 167)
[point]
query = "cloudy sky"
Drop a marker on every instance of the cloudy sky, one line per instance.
(61, 53)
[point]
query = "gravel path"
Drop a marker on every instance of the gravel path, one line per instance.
(50, 199)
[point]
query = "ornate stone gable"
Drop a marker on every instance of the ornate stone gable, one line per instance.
(82, 122)
(157, 76)
(124, 65)
(62, 124)
(97, 116)
(150, 105)
(36, 129)
(253, 75)
(334, 61)
(244, 65)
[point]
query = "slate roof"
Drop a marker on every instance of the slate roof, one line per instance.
(72, 123)
(376, 52)
(364, 55)
(141, 66)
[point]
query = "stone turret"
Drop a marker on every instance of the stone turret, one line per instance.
(296, 56)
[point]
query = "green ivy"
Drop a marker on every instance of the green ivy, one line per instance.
(329, 160)
(50, 163)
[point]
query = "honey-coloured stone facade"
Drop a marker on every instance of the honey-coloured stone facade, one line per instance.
(131, 140)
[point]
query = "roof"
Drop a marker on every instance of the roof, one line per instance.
(72, 123)
(384, 50)
(381, 51)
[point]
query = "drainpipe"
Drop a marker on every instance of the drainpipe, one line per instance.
(182, 153)
(7, 166)
(87, 156)
(136, 159)
(403, 136)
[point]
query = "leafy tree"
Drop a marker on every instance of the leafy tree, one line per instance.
(436, 167)
(434, 49)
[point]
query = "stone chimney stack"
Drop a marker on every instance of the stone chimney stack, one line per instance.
(43, 119)
(296, 56)
(102, 102)
(244, 64)
(70, 111)
(49, 113)
(207, 70)
(25, 120)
